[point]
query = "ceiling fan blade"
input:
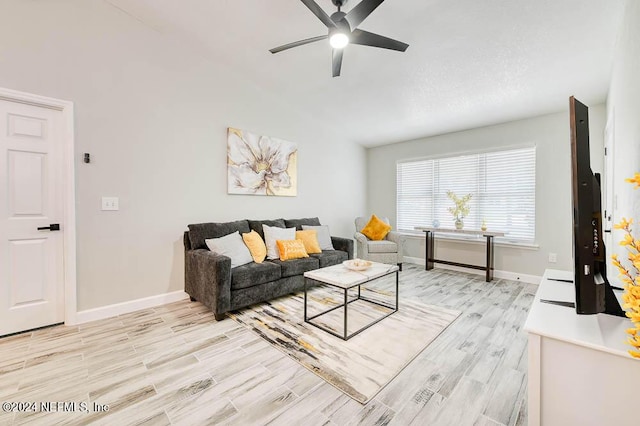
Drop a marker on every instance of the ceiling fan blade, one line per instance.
(297, 43)
(320, 13)
(360, 12)
(366, 38)
(337, 61)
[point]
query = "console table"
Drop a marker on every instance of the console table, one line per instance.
(579, 371)
(430, 248)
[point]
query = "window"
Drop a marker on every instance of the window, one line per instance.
(502, 184)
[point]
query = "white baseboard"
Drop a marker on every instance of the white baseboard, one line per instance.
(507, 275)
(130, 306)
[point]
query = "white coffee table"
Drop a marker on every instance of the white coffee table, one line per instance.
(340, 277)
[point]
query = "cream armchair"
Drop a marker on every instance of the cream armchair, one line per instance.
(389, 250)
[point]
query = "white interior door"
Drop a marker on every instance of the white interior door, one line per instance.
(31, 197)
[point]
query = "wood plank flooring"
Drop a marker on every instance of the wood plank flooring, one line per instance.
(176, 365)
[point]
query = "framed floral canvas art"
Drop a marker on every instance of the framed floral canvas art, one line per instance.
(261, 165)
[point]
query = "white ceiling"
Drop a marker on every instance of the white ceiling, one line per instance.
(470, 63)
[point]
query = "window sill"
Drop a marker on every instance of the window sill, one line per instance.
(467, 239)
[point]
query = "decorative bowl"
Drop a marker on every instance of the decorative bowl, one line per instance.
(357, 264)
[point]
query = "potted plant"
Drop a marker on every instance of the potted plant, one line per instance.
(631, 277)
(461, 208)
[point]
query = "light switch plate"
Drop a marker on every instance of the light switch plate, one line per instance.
(110, 203)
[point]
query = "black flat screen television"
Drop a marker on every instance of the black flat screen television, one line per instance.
(594, 294)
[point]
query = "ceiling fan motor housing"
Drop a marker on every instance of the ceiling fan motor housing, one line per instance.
(341, 24)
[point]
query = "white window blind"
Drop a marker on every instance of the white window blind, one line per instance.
(502, 184)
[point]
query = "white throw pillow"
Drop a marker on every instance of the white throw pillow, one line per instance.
(231, 246)
(273, 234)
(324, 237)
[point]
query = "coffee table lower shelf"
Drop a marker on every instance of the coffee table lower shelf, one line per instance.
(345, 305)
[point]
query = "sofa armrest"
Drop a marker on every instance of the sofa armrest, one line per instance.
(362, 243)
(343, 244)
(186, 241)
(398, 239)
(208, 279)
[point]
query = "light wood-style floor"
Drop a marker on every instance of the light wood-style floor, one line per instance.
(176, 365)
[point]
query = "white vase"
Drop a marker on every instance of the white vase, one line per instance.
(459, 223)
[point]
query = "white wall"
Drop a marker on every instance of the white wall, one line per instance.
(551, 136)
(153, 114)
(623, 109)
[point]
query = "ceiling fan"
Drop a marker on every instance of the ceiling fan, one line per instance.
(343, 29)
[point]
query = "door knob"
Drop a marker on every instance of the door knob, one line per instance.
(52, 227)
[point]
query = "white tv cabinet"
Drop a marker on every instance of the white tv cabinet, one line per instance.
(580, 372)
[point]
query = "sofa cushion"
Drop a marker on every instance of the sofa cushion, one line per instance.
(331, 257)
(199, 232)
(297, 223)
(383, 246)
(297, 266)
(251, 274)
(256, 225)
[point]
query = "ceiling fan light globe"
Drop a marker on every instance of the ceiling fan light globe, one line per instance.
(339, 40)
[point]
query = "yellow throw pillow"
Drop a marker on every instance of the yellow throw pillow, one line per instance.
(376, 229)
(291, 249)
(310, 240)
(256, 246)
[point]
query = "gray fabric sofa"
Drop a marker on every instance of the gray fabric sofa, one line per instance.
(210, 280)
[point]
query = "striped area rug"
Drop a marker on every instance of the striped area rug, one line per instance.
(363, 365)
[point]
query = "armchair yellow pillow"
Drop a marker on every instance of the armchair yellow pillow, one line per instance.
(291, 249)
(376, 229)
(309, 238)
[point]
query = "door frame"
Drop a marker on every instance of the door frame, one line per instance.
(610, 200)
(69, 190)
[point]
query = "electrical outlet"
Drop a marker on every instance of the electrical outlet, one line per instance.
(110, 203)
(553, 257)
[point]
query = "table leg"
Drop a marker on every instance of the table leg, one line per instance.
(489, 267)
(397, 287)
(345, 314)
(305, 299)
(429, 250)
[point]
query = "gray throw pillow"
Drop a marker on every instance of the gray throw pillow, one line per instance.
(272, 234)
(324, 237)
(231, 246)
